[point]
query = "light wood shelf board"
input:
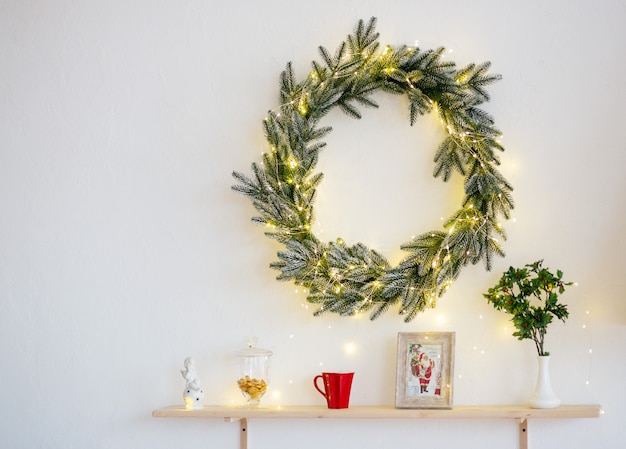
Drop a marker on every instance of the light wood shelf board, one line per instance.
(379, 412)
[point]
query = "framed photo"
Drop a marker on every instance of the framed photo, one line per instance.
(425, 370)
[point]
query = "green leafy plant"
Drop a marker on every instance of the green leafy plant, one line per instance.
(530, 294)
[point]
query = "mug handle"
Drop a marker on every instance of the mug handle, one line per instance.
(318, 388)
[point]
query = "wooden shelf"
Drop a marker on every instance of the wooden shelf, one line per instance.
(379, 412)
(242, 414)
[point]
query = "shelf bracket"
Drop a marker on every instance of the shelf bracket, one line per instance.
(523, 433)
(243, 433)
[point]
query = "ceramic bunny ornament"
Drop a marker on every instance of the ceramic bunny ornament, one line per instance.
(193, 393)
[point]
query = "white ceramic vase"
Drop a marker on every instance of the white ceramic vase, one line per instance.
(544, 396)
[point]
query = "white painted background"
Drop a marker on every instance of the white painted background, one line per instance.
(123, 249)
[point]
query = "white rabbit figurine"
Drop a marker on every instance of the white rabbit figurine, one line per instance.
(193, 393)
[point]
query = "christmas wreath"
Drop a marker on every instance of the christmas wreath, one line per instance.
(347, 279)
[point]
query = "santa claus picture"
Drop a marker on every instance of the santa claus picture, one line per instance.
(425, 367)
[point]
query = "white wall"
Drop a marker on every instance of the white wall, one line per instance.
(123, 249)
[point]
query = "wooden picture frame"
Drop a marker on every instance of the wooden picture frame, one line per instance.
(425, 368)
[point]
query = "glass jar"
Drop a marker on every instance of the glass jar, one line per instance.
(254, 364)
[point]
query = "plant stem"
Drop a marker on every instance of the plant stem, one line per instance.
(537, 336)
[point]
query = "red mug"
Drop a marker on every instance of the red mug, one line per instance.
(336, 388)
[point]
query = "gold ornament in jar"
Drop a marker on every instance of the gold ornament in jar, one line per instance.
(253, 373)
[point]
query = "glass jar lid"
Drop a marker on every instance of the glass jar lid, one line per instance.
(251, 351)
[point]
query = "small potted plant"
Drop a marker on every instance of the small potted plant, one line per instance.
(531, 295)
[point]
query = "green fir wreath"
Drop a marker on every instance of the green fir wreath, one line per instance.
(348, 279)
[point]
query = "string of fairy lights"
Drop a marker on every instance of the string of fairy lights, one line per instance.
(352, 349)
(480, 347)
(471, 219)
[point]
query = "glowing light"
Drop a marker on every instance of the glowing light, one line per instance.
(349, 348)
